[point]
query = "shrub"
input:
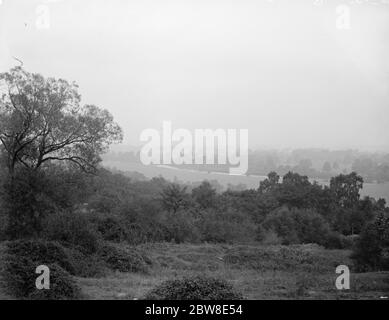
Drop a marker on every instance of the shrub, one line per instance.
(72, 229)
(112, 228)
(268, 236)
(130, 260)
(41, 252)
(297, 226)
(194, 288)
(19, 278)
(180, 227)
(86, 266)
(336, 240)
(226, 227)
(307, 258)
(31, 195)
(72, 260)
(371, 251)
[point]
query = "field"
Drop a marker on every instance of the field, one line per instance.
(271, 272)
(275, 272)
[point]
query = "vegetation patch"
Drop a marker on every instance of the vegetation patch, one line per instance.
(42, 252)
(19, 278)
(194, 288)
(124, 260)
(282, 258)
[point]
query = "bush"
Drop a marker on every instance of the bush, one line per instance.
(336, 240)
(19, 278)
(130, 260)
(112, 228)
(194, 288)
(268, 236)
(297, 226)
(302, 258)
(32, 195)
(72, 229)
(371, 251)
(42, 252)
(180, 227)
(72, 260)
(226, 227)
(86, 266)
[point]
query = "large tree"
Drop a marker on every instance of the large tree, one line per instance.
(42, 120)
(346, 189)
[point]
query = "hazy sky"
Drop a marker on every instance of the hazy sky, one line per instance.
(281, 69)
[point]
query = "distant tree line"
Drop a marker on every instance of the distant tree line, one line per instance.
(319, 164)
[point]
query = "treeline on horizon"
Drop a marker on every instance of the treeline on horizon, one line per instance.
(314, 163)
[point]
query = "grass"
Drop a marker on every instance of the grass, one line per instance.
(276, 272)
(271, 272)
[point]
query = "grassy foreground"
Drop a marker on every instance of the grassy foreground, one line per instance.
(271, 272)
(297, 272)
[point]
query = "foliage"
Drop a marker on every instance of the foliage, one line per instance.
(297, 226)
(180, 226)
(130, 260)
(41, 120)
(24, 256)
(204, 195)
(308, 258)
(346, 189)
(20, 277)
(226, 227)
(42, 252)
(72, 229)
(111, 227)
(174, 197)
(194, 288)
(372, 248)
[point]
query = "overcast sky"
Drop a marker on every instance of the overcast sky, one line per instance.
(281, 69)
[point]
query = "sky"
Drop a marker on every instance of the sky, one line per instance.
(296, 74)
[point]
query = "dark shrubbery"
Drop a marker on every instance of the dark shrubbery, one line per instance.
(336, 240)
(42, 252)
(22, 259)
(180, 227)
(72, 229)
(307, 258)
(372, 248)
(194, 288)
(112, 228)
(130, 260)
(226, 227)
(294, 226)
(86, 265)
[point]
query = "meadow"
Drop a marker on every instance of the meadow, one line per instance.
(258, 272)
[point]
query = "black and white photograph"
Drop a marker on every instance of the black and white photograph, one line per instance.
(208, 151)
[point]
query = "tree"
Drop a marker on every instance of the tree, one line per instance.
(346, 188)
(269, 184)
(372, 248)
(42, 125)
(204, 195)
(174, 197)
(41, 121)
(293, 191)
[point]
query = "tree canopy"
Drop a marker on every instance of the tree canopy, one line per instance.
(42, 120)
